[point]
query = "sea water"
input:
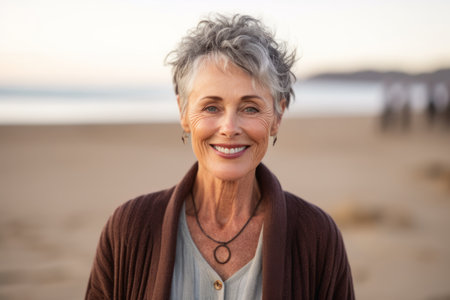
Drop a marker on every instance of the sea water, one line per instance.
(158, 104)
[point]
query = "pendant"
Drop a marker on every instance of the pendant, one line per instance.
(228, 257)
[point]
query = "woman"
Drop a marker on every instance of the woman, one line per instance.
(227, 230)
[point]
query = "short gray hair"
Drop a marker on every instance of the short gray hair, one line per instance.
(244, 41)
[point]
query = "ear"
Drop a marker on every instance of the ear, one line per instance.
(183, 116)
(277, 122)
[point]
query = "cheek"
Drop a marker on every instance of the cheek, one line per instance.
(197, 122)
(201, 128)
(264, 123)
(259, 129)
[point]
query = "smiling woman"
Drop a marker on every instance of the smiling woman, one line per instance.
(227, 230)
(229, 127)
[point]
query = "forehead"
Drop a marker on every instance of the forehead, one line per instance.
(223, 76)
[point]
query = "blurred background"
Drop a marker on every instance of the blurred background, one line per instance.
(88, 120)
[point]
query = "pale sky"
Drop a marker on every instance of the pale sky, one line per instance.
(124, 42)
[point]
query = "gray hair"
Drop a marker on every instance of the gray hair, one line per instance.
(244, 41)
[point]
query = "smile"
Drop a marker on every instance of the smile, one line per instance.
(226, 150)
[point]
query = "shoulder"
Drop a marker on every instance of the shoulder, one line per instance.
(309, 220)
(148, 203)
(141, 214)
(313, 230)
(313, 234)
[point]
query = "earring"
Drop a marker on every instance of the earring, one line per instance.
(275, 138)
(184, 137)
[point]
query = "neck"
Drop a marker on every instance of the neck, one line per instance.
(225, 202)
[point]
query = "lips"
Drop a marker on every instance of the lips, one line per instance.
(232, 150)
(226, 150)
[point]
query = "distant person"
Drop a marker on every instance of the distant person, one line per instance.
(447, 107)
(387, 112)
(438, 103)
(227, 230)
(441, 96)
(431, 109)
(406, 115)
(396, 106)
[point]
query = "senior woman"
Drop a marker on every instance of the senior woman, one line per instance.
(227, 230)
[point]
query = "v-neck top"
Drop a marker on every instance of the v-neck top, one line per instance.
(194, 278)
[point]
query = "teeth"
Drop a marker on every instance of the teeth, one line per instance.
(229, 150)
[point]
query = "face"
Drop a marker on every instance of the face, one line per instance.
(230, 120)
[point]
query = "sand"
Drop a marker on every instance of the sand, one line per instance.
(389, 193)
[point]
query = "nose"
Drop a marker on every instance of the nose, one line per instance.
(230, 126)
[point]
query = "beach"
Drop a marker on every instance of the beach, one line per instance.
(388, 192)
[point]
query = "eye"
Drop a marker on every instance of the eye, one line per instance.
(251, 110)
(211, 109)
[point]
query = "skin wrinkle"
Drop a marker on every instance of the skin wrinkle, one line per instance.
(227, 225)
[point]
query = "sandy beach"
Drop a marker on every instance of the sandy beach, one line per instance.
(388, 192)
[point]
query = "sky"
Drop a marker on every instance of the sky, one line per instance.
(124, 42)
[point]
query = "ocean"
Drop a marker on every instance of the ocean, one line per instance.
(314, 98)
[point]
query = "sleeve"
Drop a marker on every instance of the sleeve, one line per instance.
(343, 288)
(101, 279)
(336, 275)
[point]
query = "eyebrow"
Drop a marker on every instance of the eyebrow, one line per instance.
(216, 98)
(246, 97)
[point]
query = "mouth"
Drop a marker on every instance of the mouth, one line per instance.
(230, 149)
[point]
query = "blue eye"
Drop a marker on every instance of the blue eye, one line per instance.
(251, 110)
(211, 109)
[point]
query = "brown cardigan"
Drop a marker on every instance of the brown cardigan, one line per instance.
(303, 252)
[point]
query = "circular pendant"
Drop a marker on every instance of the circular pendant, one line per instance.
(228, 257)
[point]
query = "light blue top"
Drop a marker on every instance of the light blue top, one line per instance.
(194, 278)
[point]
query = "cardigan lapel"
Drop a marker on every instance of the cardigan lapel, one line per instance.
(169, 236)
(275, 230)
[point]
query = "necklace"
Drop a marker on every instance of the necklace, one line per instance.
(222, 244)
